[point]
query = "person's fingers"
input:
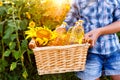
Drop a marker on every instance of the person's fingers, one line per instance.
(88, 40)
(94, 41)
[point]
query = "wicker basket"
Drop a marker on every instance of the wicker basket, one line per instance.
(60, 59)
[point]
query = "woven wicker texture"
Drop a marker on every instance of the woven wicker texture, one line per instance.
(60, 59)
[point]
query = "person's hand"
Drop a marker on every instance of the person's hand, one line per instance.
(60, 30)
(87, 40)
(92, 36)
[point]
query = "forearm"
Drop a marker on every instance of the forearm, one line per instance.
(109, 29)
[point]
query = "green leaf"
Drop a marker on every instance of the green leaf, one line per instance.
(17, 25)
(25, 74)
(13, 66)
(10, 10)
(13, 37)
(7, 53)
(23, 24)
(19, 3)
(11, 23)
(3, 64)
(16, 55)
(6, 42)
(8, 32)
(2, 11)
(24, 44)
(12, 45)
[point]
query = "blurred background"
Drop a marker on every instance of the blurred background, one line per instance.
(17, 61)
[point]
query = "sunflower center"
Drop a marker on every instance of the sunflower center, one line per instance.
(43, 34)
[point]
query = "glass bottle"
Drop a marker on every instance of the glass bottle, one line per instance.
(67, 36)
(61, 34)
(77, 33)
(62, 28)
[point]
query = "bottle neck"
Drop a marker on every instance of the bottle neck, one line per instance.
(78, 24)
(64, 24)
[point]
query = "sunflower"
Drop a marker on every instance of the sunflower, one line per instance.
(54, 35)
(30, 33)
(32, 24)
(43, 33)
(1, 3)
(39, 41)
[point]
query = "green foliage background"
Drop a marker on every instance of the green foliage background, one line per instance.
(17, 61)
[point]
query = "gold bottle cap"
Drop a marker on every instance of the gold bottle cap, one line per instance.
(64, 23)
(81, 21)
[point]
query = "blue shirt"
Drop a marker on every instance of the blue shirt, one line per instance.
(96, 14)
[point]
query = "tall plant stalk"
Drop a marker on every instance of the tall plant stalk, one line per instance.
(3, 47)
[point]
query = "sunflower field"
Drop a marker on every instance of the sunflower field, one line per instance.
(17, 61)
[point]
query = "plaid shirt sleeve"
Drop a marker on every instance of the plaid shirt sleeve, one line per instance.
(117, 11)
(72, 16)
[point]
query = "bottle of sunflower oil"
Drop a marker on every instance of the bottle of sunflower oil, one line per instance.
(77, 33)
(67, 36)
(61, 32)
(62, 28)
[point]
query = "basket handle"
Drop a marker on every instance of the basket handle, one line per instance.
(32, 44)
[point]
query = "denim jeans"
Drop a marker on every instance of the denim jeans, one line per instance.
(97, 65)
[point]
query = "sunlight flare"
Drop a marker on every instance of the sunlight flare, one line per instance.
(59, 2)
